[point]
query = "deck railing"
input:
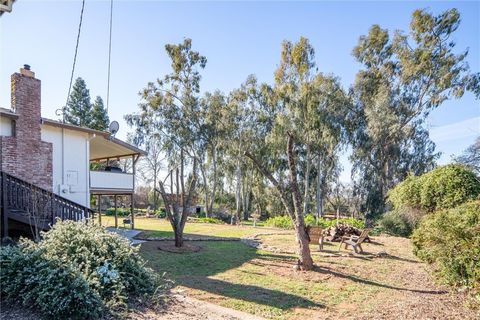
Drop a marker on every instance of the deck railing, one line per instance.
(20, 198)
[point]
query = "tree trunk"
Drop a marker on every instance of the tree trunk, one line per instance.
(246, 189)
(305, 259)
(214, 182)
(205, 188)
(154, 193)
(178, 237)
(238, 196)
(288, 195)
(306, 183)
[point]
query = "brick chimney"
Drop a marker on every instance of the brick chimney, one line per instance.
(25, 155)
(26, 101)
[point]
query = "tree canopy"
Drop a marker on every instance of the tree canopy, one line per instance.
(81, 112)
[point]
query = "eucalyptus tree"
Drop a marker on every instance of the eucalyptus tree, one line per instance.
(296, 118)
(403, 79)
(169, 108)
(210, 117)
(239, 133)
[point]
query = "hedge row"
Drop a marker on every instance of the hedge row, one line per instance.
(285, 222)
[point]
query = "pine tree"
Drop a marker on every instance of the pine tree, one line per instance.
(99, 116)
(79, 107)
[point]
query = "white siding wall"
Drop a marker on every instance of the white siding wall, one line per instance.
(70, 163)
(5, 126)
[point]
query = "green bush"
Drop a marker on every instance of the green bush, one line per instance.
(284, 222)
(448, 187)
(400, 222)
(104, 262)
(58, 291)
(442, 188)
(161, 213)
(450, 239)
(121, 212)
(395, 223)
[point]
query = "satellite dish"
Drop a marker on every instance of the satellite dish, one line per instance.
(113, 127)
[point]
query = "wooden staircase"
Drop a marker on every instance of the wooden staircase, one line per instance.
(29, 204)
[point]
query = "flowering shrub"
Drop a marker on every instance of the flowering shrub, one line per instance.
(102, 264)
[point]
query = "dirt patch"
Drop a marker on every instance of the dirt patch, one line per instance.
(169, 246)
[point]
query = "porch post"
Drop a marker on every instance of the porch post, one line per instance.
(100, 210)
(116, 217)
(131, 211)
(134, 162)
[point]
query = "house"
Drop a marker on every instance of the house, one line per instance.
(45, 164)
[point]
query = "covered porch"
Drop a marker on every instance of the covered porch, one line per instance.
(112, 174)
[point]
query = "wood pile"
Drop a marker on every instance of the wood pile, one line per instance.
(335, 233)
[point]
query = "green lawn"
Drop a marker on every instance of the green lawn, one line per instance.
(266, 284)
(230, 274)
(154, 227)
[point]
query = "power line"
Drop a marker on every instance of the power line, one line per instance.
(74, 58)
(109, 54)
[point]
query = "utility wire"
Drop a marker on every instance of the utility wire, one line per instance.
(74, 58)
(109, 54)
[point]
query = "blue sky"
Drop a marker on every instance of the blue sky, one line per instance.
(238, 38)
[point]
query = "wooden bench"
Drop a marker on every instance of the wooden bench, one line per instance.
(315, 235)
(354, 241)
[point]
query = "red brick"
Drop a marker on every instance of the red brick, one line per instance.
(25, 155)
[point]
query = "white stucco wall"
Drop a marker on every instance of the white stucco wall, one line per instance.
(5, 126)
(69, 162)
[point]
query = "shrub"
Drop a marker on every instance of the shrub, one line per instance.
(394, 223)
(161, 213)
(58, 291)
(102, 264)
(442, 188)
(400, 222)
(448, 187)
(121, 212)
(285, 222)
(406, 193)
(351, 222)
(112, 266)
(450, 239)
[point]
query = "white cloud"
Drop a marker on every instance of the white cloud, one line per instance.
(458, 130)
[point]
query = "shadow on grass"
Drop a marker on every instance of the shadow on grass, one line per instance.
(367, 256)
(251, 293)
(327, 270)
(194, 269)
